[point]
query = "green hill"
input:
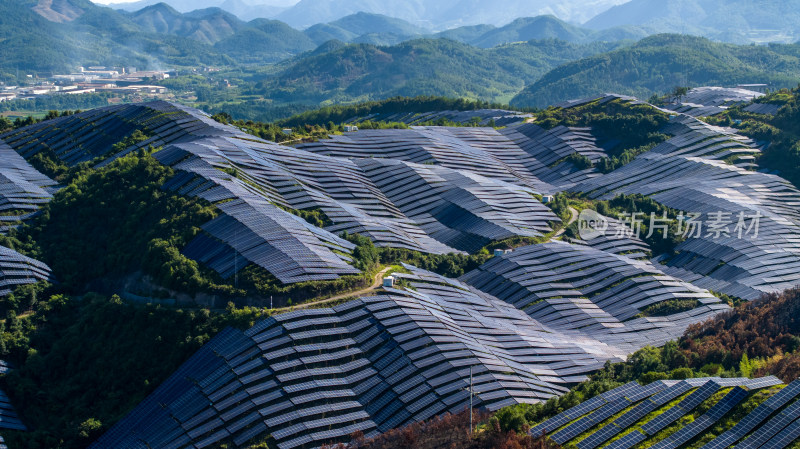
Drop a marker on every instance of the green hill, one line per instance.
(264, 40)
(324, 32)
(525, 29)
(659, 63)
(208, 25)
(420, 67)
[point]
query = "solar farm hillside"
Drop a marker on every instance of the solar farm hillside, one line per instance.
(524, 257)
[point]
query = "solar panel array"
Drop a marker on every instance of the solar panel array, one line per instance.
(616, 239)
(251, 229)
(314, 376)
(577, 287)
(529, 322)
(8, 414)
(762, 108)
(16, 270)
(708, 101)
(524, 155)
(450, 211)
(664, 415)
(689, 173)
(23, 189)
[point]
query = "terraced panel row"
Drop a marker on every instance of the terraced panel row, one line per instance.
(16, 270)
(23, 189)
(708, 101)
(577, 287)
(525, 154)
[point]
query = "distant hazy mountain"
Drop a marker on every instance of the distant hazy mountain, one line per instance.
(349, 29)
(244, 9)
(658, 64)
(738, 21)
(382, 30)
(541, 27)
(444, 14)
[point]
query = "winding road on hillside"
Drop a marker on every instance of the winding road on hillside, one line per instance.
(573, 216)
(376, 283)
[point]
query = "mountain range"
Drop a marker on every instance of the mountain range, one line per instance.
(433, 14)
(736, 21)
(60, 35)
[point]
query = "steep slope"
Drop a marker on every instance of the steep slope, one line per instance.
(659, 63)
(58, 10)
(737, 21)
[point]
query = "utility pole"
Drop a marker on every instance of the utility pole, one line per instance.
(470, 401)
(235, 258)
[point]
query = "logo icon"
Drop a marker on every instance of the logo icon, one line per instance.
(591, 224)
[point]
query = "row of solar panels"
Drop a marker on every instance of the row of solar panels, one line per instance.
(665, 412)
(483, 117)
(578, 287)
(23, 190)
(707, 101)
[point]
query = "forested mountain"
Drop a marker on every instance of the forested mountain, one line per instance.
(659, 63)
(351, 27)
(420, 67)
(738, 21)
(264, 40)
(203, 25)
